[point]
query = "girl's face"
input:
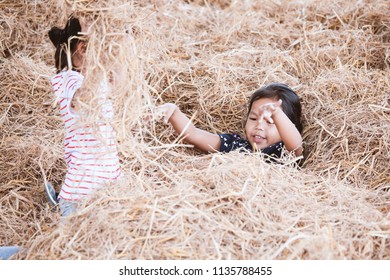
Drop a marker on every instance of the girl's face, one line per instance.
(78, 56)
(259, 132)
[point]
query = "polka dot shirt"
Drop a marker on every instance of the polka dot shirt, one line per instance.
(231, 142)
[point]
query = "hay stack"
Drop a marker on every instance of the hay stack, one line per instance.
(207, 57)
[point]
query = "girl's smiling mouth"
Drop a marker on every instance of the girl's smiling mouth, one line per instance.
(258, 138)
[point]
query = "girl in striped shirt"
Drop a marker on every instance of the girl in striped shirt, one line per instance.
(90, 150)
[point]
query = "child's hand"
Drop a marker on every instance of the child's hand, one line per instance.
(166, 110)
(269, 110)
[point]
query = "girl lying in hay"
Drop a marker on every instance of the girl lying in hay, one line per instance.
(90, 149)
(273, 122)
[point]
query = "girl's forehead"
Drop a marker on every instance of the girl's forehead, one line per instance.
(85, 24)
(260, 102)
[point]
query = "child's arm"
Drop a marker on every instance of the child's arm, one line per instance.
(290, 135)
(201, 139)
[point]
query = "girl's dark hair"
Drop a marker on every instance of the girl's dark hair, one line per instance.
(291, 104)
(60, 39)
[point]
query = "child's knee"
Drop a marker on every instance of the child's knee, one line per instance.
(67, 207)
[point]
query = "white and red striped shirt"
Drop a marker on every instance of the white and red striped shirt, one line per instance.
(90, 150)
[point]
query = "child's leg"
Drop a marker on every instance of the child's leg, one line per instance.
(67, 207)
(51, 194)
(8, 251)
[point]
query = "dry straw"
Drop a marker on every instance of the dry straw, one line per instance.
(207, 57)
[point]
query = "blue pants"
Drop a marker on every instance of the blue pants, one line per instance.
(67, 207)
(7, 252)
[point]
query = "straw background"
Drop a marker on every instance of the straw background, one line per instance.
(207, 56)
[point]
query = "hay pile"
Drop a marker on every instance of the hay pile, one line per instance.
(207, 57)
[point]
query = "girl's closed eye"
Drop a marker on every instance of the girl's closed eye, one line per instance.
(252, 117)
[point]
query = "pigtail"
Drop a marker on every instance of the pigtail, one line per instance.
(65, 40)
(73, 27)
(55, 35)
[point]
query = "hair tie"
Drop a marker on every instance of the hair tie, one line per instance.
(59, 36)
